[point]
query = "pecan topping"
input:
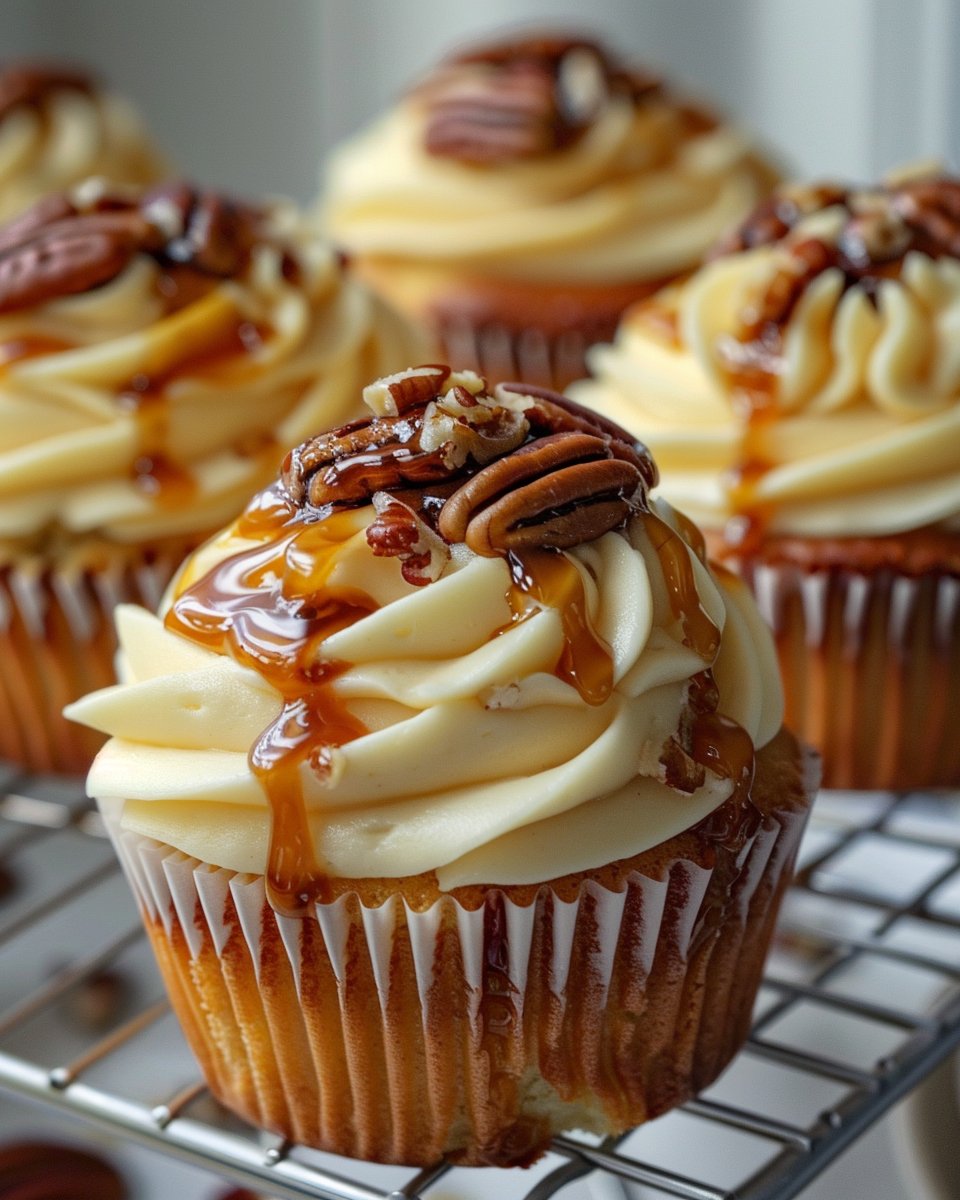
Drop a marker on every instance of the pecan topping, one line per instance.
(874, 230)
(33, 83)
(521, 467)
(69, 244)
(519, 99)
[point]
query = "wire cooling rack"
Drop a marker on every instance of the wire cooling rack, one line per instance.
(860, 1001)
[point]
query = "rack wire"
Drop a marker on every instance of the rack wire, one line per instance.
(861, 1000)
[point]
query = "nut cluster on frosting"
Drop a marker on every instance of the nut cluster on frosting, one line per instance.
(70, 243)
(876, 228)
(523, 98)
(33, 83)
(444, 460)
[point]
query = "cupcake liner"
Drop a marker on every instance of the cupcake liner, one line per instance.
(57, 643)
(400, 1032)
(871, 670)
(529, 355)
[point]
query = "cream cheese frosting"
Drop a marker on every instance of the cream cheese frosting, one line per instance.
(474, 756)
(57, 128)
(813, 377)
(640, 193)
(151, 405)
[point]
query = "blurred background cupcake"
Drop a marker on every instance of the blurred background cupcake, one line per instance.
(802, 395)
(468, 952)
(58, 126)
(160, 351)
(525, 192)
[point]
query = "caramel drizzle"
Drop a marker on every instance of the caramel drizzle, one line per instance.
(714, 742)
(270, 608)
(223, 359)
(550, 578)
(881, 227)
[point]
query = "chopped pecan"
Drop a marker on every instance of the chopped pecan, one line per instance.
(555, 492)
(395, 394)
(398, 532)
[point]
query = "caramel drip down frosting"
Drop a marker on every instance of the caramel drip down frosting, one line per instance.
(445, 475)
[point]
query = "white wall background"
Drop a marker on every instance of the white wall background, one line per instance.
(247, 93)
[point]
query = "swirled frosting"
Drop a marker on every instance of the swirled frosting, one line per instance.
(58, 127)
(541, 161)
(503, 714)
(808, 378)
(160, 351)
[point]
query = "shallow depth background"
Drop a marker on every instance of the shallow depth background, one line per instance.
(247, 94)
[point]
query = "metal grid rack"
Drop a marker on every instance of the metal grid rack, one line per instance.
(861, 1000)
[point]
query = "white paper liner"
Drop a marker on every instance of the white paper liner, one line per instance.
(871, 670)
(57, 643)
(625, 1000)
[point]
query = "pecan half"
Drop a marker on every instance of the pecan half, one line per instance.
(555, 492)
(395, 394)
(553, 413)
(522, 98)
(69, 244)
(66, 258)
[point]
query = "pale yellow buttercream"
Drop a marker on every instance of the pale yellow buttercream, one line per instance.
(479, 761)
(75, 443)
(639, 196)
(69, 137)
(864, 433)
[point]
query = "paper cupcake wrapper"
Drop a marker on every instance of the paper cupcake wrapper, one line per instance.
(871, 670)
(398, 1034)
(57, 643)
(502, 354)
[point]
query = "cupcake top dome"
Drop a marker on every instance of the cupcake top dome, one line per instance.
(542, 159)
(158, 351)
(58, 126)
(454, 637)
(806, 377)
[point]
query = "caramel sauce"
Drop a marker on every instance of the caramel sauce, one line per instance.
(223, 360)
(699, 631)
(270, 607)
(712, 740)
(753, 386)
(549, 577)
(31, 346)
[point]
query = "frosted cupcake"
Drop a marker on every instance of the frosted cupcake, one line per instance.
(59, 127)
(521, 197)
(802, 395)
(452, 786)
(159, 352)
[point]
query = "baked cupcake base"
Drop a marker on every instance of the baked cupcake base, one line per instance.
(868, 637)
(57, 643)
(402, 1025)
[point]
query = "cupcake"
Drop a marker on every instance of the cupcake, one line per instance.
(452, 785)
(802, 395)
(159, 352)
(59, 127)
(524, 194)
